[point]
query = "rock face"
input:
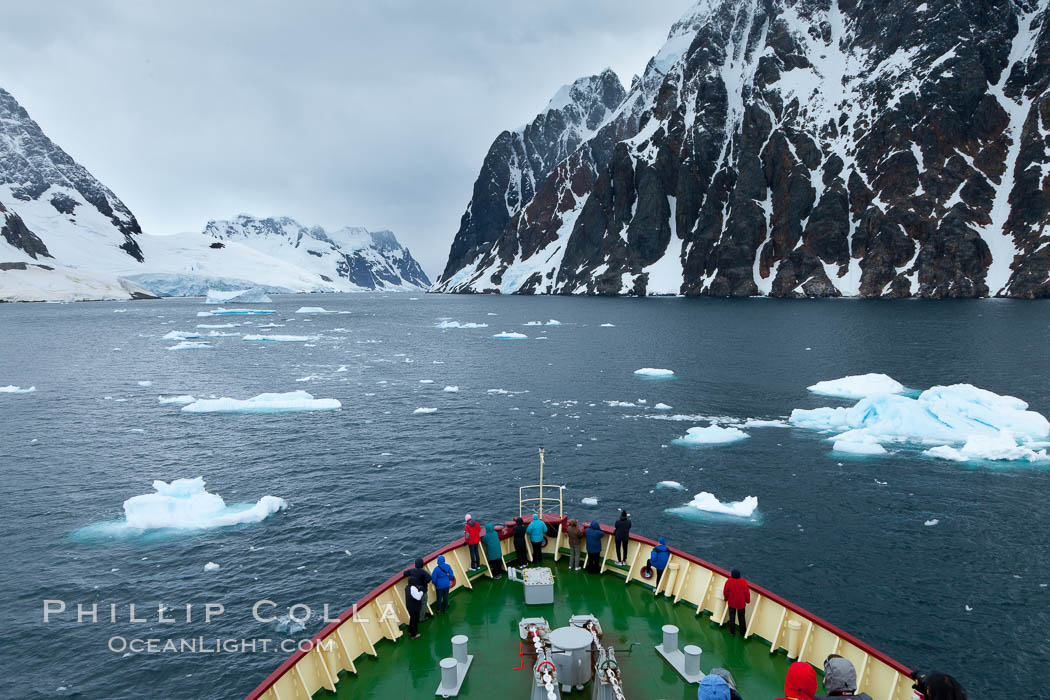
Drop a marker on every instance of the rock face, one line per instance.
(62, 206)
(792, 148)
(350, 259)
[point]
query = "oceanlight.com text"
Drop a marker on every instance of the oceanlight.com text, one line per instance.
(213, 645)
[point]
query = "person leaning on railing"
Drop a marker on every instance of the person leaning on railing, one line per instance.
(622, 535)
(537, 531)
(575, 535)
(493, 552)
(594, 537)
(520, 547)
(415, 593)
(737, 593)
(472, 534)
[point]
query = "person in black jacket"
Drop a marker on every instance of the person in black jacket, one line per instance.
(621, 533)
(521, 548)
(415, 596)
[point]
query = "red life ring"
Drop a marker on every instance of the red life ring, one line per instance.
(647, 572)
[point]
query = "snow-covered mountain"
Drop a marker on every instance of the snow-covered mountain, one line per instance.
(64, 235)
(796, 148)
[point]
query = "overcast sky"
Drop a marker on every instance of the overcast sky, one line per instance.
(365, 113)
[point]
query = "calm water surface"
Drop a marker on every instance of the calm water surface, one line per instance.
(372, 485)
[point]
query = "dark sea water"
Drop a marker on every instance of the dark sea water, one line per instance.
(374, 480)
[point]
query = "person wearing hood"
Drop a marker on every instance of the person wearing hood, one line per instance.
(575, 535)
(520, 548)
(472, 535)
(800, 683)
(493, 550)
(537, 531)
(658, 559)
(621, 533)
(725, 675)
(442, 579)
(415, 595)
(737, 594)
(941, 686)
(594, 537)
(840, 679)
(713, 687)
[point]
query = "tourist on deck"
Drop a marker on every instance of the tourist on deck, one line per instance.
(537, 531)
(493, 551)
(575, 535)
(415, 596)
(713, 687)
(520, 548)
(472, 534)
(621, 533)
(442, 579)
(800, 682)
(940, 686)
(725, 675)
(737, 593)
(840, 679)
(658, 560)
(594, 537)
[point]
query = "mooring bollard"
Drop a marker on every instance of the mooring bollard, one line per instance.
(459, 648)
(692, 660)
(794, 627)
(670, 639)
(449, 673)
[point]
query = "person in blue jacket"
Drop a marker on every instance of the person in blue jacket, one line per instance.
(493, 552)
(441, 577)
(713, 687)
(537, 531)
(658, 560)
(594, 547)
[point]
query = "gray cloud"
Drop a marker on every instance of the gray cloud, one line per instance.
(367, 113)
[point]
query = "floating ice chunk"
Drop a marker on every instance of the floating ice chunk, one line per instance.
(236, 312)
(452, 389)
(211, 566)
(711, 435)
(263, 403)
(1001, 447)
(607, 325)
(342, 368)
(763, 423)
(180, 335)
(553, 322)
(120, 311)
(181, 400)
(941, 414)
(253, 295)
(426, 381)
(859, 447)
(510, 335)
(12, 389)
(220, 334)
(217, 325)
(670, 485)
(709, 502)
(190, 345)
(931, 522)
(620, 404)
(589, 501)
(858, 386)
(533, 323)
(457, 324)
(280, 338)
(145, 382)
(313, 310)
(654, 372)
(423, 411)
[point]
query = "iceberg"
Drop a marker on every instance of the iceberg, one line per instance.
(263, 403)
(859, 447)
(510, 335)
(211, 566)
(183, 504)
(12, 389)
(452, 389)
(931, 522)
(607, 325)
(217, 325)
(190, 345)
(457, 324)
(252, 295)
(1001, 447)
(553, 322)
(654, 372)
(589, 501)
(180, 335)
(662, 407)
(280, 338)
(423, 411)
(670, 485)
(858, 386)
(236, 312)
(144, 382)
(180, 400)
(313, 310)
(709, 502)
(711, 435)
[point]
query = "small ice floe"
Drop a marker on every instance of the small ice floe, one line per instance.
(968, 608)
(931, 522)
(654, 372)
(620, 404)
(288, 625)
(180, 400)
(662, 407)
(607, 325)
(180, 335)
(510, 335)
(120, 311)
(290, 401)
(709, 502)
(452, 389)
(309, 378)
(710, 435)
(270, 325)
(183, 504)
(342, 368)
(670, 485)
(218, 325)
(236, 312)
(445, 325)
(426, 381)
(313, 310)
(589, 501)
(423, 411)
(533, 323)
(862, 445)
(1002, 447)
(552, 322)
(190, 345)
(252, 295)
(220, 334)
(12, 389)
(144, 382)
(211, 566)
(858, 386)
(279, 338)
(764, 423)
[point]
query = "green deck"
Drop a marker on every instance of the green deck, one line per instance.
(629, 614)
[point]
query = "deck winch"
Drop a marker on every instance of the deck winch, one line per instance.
(569, 657)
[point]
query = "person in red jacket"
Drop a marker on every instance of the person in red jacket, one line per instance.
(800, 682)
(737, 593)
(472, 534)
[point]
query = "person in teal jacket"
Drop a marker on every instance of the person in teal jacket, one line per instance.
(536, 532)
(492, 550)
